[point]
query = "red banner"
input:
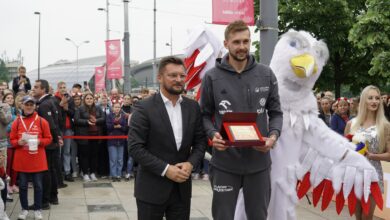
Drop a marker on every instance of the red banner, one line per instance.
(99, 79)
(226, 11)
(113, 59)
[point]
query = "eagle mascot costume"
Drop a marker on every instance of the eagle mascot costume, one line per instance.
(308, 153)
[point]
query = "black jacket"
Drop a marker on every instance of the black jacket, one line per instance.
(152, 144)
(15, 85)
(253, 90)
(65, 113)
(47, 109)
(81, 118)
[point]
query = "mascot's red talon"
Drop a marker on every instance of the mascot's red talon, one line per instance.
(377, 195)
(365, 205)
(305, 186)
(351, 202)
(317, 193)
(340, 201)
(327, 195)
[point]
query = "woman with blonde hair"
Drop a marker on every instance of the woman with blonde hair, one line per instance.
(371, 127)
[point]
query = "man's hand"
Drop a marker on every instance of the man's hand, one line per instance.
(176, 174)
(269, 144)
(91, 123)
(185, 166)
(117, 126)
(60, 141)
(218, 142)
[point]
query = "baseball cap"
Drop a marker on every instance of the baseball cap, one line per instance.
(28, 99)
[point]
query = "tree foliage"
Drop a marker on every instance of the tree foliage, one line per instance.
(372, 33)
(4, 74)
(331, 20)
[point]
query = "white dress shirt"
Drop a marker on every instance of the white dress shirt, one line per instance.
(175, 117)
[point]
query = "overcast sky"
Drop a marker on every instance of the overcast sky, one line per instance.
(80, 20)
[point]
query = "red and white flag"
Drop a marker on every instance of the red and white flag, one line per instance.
(113, 59)
(226, 11)
(99, 79)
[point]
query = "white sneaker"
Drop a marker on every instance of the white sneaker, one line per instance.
(23, 215)
(38, 214)
(195, 176)
(93, 177)
(5, 216)
(205, 177)
(74, 174)
(86, 178)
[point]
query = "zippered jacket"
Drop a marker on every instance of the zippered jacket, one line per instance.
(253, 90)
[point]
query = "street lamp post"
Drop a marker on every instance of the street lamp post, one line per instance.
(126, 40)
(39, 44)
(154, 77)
(77, 54)
(107, 32)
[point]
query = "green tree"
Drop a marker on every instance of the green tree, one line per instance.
(372, 33)
(4, 74)
(331, 21)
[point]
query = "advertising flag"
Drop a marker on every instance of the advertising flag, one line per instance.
(99, 79)
(113, 59)
(226, 11)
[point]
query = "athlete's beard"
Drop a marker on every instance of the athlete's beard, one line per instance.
(236, 58)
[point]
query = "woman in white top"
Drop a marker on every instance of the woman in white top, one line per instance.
(371, 127)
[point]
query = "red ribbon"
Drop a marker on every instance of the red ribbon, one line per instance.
(95, 137)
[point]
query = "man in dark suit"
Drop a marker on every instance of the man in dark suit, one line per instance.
(167, 140)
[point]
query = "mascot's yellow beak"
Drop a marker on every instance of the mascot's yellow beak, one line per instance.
(303, 65)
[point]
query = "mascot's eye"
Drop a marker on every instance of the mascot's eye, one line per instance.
(293, 43)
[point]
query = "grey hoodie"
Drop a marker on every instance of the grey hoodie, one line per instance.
(254, 90)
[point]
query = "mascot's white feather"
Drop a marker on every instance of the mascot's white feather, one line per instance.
(307, 150)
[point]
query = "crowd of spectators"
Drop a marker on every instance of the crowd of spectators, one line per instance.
(336, 112)
(76, 112)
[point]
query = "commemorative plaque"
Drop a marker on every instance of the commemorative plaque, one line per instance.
(239, 129)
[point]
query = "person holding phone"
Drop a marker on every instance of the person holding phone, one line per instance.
(21, 83)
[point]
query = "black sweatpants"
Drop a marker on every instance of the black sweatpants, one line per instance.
(226, 186)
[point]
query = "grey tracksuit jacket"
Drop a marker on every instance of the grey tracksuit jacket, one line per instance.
(254, 90)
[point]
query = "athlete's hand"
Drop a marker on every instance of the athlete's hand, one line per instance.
(218, 142)
(269, 144)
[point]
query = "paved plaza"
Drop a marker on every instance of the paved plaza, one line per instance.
(105, 200)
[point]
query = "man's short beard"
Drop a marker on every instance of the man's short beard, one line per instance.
(173, 91)
(237, 59)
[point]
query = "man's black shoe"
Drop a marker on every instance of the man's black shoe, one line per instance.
(69, 178)
(62, 186)
(45, 206)
(54, 202)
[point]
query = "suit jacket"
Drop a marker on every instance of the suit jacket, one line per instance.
(152, 144)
